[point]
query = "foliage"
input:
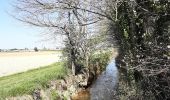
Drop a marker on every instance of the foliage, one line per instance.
(143, 40)
(35, 49)
(101, 57)
(54, 95)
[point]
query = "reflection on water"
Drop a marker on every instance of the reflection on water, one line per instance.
(103, 88)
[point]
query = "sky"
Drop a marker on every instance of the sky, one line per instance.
(15, 34)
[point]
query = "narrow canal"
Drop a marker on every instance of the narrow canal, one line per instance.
(104, 87)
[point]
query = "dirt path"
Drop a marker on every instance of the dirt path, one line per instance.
(11, 63)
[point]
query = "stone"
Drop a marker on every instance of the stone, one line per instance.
(37, 94)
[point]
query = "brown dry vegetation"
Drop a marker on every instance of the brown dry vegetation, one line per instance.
(14, 62)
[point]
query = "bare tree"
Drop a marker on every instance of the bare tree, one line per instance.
(70, 18)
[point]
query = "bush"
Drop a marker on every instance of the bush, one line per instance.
(102, 58)
(35, 49)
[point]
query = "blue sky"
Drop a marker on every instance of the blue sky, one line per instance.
(15, 34)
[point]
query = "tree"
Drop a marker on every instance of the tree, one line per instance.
(66, 17)
(35, 49)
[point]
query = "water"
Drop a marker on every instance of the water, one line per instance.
(103, 88)
(105, 85)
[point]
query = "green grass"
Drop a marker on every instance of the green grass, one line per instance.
(26, 82)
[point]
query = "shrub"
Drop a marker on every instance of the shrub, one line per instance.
(35, 49)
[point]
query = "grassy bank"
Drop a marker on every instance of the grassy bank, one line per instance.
(26, 82)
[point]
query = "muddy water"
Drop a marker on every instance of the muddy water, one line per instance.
(104, 87)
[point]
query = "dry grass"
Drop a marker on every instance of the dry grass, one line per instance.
(15, 62)
(11, 54)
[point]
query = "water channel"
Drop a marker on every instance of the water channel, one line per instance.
(104, 87)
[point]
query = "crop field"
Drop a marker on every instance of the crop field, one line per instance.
(16, 62)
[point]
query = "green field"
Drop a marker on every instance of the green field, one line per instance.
(26, 82)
